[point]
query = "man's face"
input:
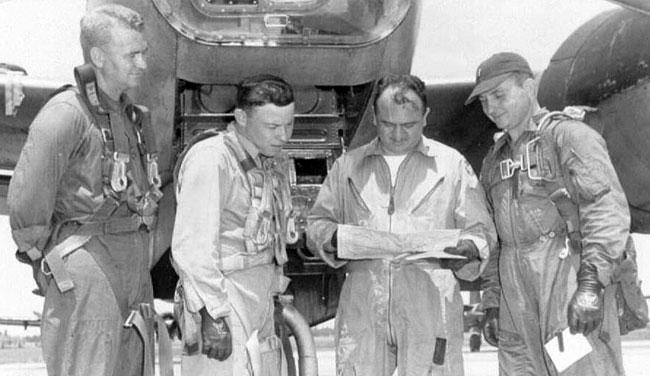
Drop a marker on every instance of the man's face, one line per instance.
(268, 127)
(124, 61)
(509, 105)
(399, 122)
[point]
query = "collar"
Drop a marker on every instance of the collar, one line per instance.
(111, 104)
(537, 117)
(374, 148)
(249, 148)
(503, 138)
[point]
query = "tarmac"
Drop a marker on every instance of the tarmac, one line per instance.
(483, 363)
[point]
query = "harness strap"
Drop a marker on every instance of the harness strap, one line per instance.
(141, 116)
(52, 264)
(165, 356)
(117, 225)
(142, 319)
(559, 194)
(241, 261)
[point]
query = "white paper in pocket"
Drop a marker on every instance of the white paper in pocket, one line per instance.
(566, 349)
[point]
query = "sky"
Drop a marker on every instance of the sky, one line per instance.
(455, 36)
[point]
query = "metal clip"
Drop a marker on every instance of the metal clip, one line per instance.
(565, 251)
(152, 170)
(45, 269)
(530, 150)
(292, 233)
(118, 175)
(107, 135)
(508, 167)
(129, 322)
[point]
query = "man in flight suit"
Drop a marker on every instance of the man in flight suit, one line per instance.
(393, 312)
(83, 203)
(562, 220)
(232, 222)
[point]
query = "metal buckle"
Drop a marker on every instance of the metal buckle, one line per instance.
(508, 167)
(118, 175)
(152, 171)
(529, 150)
(44, 266)
(128, 323)
(107, 135)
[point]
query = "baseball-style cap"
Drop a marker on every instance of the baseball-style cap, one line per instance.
(493, 71)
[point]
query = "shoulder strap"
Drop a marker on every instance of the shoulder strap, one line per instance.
(141, 117)
(204, 135)
(558, 189)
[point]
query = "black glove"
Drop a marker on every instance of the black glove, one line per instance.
(466, 248)
(585, 311)
(217, 340)
(491, 326)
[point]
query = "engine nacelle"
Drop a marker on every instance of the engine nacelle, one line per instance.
(606, 64)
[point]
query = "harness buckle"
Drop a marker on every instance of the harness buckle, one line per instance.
(153, 176)
(45, 268)
(129, 322)
(118, 175)
(531, 150)
(508, 167)
(107, 135)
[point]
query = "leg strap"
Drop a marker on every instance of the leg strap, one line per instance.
(52, 264)
(140, 320)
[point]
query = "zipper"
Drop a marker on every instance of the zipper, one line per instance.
(389, 324)
(391, 198)
(357, 195)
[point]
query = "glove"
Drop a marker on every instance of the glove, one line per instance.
(466, 248)
(585, 311)
(331, 246)
(491, 326)
(217, 340)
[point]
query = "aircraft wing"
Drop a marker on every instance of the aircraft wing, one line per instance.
(464, 128)
(20, 322)
(21, 97)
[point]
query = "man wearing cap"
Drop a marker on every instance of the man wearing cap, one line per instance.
(562, 220)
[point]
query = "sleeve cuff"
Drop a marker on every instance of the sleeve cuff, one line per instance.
(31, 237)
(194, 303)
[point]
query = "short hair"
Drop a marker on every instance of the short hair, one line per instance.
(262, 89)
(96, 25)
(403, 83)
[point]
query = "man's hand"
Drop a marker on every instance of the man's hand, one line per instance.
(217, 340)
(585, 311)
(466, 248)
(491, 326)
(331, 246)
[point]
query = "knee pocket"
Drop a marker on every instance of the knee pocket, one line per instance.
(271, 356)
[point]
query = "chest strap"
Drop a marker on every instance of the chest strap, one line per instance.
(116, 151)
